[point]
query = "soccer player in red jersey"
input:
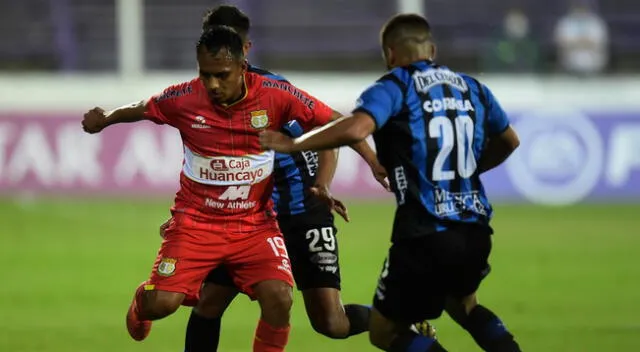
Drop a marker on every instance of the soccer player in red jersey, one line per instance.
(223, 210)
(314, 260)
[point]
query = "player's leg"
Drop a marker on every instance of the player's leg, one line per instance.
(330, 318)
(203, 328)
(260, 267)
(185, 258)
(483, 325)
(313, 249)
(407, 293)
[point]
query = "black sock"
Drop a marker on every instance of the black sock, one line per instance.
(489, 331)
(358, 316)
(411, 342)
(203, 334)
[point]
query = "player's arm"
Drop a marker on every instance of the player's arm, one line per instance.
(502, 138)
(327, 164)
(157, 109)
(366, 152)
(96, 119)
(344, 131)
(376, 105)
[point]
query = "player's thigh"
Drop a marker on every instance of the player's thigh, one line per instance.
(475, 263)
(215, 299)
(313, 248)
(410, 287)
(185, 258)
(258, 257)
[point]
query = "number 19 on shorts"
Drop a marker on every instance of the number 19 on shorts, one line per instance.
(278, 247)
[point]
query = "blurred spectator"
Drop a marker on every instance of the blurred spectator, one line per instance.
(582, 39)
(512, 50)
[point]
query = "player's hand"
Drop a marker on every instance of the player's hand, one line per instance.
(276, 141)
(323, 193)
(163, 227)
(94, 121)
(380, 174)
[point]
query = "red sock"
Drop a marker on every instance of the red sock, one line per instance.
(270, 339)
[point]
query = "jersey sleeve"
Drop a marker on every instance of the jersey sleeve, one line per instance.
(161, 107)
(497, 117)
(308, 111)
(381, 100)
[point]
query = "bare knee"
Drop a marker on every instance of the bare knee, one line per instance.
(159, 304)
(214, 300)
(275, 298)
(331, 324)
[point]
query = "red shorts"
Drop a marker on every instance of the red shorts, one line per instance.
(188, 253)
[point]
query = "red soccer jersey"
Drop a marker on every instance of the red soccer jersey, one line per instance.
(226, 180)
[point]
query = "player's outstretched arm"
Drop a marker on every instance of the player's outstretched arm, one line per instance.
(498, 149)
(96, 119)
(344, 131)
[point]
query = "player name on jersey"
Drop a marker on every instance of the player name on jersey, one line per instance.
(226, 170)
(447, 104)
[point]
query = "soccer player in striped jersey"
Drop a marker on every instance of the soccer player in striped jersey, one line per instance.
(436, 131)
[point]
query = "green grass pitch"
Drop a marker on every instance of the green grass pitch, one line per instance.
(563, 279)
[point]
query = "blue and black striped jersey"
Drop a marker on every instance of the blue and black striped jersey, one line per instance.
(432, 128)
(294, 173)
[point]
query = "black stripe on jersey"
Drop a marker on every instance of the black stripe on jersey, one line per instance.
(393, 78)
(485, 102)
(279, 179)
(431, 143)
(475, 180)
(382, 138)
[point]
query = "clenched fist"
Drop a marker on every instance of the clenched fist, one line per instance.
(94, 121)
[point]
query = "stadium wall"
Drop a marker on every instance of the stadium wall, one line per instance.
(580, 138)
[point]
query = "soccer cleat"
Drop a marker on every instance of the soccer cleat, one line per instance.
(424, 328)
(138, 329)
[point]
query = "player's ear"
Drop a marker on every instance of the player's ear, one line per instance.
(391, 58)
(433, 52)
(246, 47)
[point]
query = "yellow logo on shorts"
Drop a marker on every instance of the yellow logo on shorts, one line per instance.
(167, 266)
(259, 119)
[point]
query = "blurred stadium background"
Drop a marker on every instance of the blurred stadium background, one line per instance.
(79, 214)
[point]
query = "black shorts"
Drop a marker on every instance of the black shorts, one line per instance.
(421, 272)
(313, 250)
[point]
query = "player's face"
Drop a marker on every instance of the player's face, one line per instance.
(222, 75)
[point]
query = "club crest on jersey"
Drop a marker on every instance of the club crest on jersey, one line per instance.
(259, 119)
(167, 266)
